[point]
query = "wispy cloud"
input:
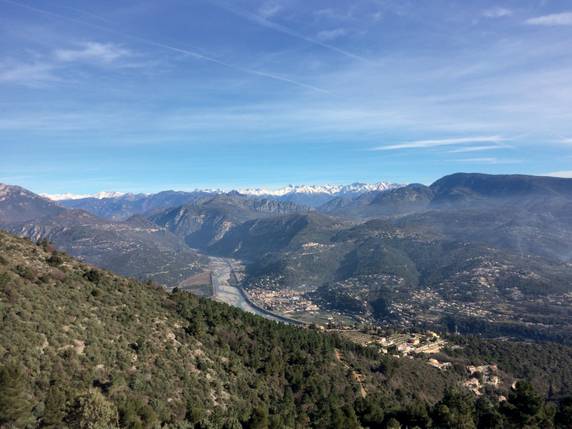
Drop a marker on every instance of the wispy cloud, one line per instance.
(488, 160)
(557, 19)
(106, 53)
(497, 12)
(27, 74)
(566, 174)
(418, 144)
(330, 13)
(171, 48)
(329, 35)
(478, 148)
(269, 9)
(48, 67)
(565, 141)
(264, 22)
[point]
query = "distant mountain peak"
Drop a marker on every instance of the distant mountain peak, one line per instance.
(98, 196)
(333, 190)
(327, 189)
(12, 191)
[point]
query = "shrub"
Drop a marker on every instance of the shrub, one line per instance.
(93, 276)
(93, 411)
(15, 408)
(25, 272)
(55, 260)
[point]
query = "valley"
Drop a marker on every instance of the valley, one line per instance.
(470, 253)
(403, 296)
(222, 281)
(227, 289)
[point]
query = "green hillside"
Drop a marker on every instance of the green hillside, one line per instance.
(82, 348)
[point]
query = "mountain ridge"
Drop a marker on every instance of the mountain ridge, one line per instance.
(356, 187)
(134, 248)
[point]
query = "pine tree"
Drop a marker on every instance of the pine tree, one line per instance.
(15, 406)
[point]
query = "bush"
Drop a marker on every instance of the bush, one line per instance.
(55, 260)
(25, 272)
(93, 276)
(93, 411)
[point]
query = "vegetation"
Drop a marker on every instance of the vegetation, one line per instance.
(82, 348)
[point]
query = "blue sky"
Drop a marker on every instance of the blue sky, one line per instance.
(150, 95)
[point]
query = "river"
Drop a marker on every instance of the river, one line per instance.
(225, 291)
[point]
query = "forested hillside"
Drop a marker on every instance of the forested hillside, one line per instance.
(80, 347)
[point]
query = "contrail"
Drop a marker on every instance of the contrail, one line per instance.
(260, 20)
(171, 48)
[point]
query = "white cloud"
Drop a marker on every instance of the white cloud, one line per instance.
(442, 142)
(567, 174)
(489, 160)
(566, 141)
(330, 14)
(557, 19)
(497, 12)
(269, 9)
(106, 53)
(477, 148)
(27, 74)
(47, 67)
(329, 35)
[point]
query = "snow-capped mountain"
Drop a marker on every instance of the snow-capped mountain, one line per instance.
(97, 196)
(316, 195)
(333, 190)
(120, 205)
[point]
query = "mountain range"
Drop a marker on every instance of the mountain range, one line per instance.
(120, 206)
(134, 247)
(469, 254)
(471, 251)
(488, 253)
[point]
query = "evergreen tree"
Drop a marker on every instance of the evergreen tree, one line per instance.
(488, 416)
(524, 406)
(455, 410)
(563, 418)
(15, 408)
(259, 419)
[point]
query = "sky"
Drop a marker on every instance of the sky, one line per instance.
(144, 96)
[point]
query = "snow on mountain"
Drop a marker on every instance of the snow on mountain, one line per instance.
(98, 196)
(334, 190)
(309, 190)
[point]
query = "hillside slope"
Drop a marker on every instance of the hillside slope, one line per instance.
(80, 334)
(82, 348)
(458, 191)
(477, 253)
(134, 247)
(206, 221)
(20, 205)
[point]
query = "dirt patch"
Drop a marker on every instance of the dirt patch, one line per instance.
(357, 376)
